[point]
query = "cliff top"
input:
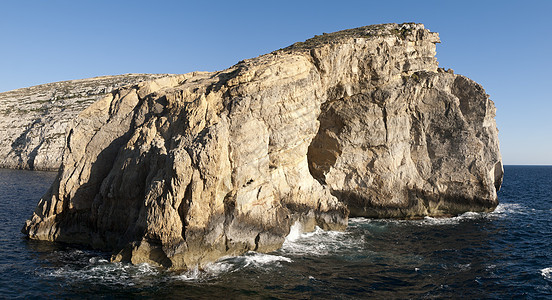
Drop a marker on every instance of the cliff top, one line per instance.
(402, 31)
(33, 119)
(130, 77)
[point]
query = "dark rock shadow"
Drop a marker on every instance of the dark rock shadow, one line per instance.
(18, 146)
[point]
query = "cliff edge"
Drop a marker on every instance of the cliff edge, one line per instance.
(183, 170)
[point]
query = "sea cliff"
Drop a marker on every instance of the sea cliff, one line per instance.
(33, 120)
(183, 170)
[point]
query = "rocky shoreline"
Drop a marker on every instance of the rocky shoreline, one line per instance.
(182, 170)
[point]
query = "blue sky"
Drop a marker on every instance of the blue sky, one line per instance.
(504, 45)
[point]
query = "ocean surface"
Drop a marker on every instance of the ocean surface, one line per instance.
(498, 255)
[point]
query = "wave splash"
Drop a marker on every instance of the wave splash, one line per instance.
(318, 242)
(98, 270)
(225, 265)
(503, 210)
(85, 267)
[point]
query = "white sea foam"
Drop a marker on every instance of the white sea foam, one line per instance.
(210, 271)
(260, 261)
(100, 270)
(451, 220)
(80, 266)
(546, 273)
(220, 267)
(463, 267)
(318, 242)
(504, 209)
(294, 232)
(360, 220)
(96, 260)
(193, 274)
(426, 221)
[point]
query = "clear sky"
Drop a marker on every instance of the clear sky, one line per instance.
(504, 45)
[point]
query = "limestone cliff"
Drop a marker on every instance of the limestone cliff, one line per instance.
(182, 170)
(33, 120)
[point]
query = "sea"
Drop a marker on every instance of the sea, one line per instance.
(504, 254)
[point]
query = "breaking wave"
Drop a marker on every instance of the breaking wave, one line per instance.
(503, 210)
(546, 273)
(506, 209)
(259, 261)
(87, 266)
(318, 242)
(77, 266)
(99, 270)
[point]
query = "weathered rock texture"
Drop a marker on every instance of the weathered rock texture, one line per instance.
(33, 120)
(183, 170)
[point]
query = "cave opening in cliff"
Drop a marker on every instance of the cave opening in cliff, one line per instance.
(325, 147)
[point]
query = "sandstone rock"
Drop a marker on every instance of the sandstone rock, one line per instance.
(182, 170)
(33, 120)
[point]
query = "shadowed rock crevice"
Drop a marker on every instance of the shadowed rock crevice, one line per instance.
(325, 148)
(498, 172)
(20, 146)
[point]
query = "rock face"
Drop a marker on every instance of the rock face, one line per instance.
(33, 120)
(182, 170)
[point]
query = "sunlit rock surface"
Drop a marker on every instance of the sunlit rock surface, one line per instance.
(183, 170)
(33, 120)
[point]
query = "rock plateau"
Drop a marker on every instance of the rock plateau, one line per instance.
(183, 170)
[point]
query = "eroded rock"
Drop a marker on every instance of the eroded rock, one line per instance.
(182, 170)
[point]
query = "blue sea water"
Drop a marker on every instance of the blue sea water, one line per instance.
(503, 254)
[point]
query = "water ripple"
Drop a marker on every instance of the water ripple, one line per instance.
(502, 254)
